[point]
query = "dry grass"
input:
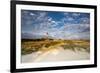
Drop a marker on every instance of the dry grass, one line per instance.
(34, 46)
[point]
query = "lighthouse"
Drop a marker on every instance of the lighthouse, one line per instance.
(47, 35)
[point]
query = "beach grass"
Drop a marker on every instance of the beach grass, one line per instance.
(29, 46)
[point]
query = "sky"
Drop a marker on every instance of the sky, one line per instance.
(58, 25)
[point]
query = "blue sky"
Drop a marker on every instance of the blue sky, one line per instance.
(59, 25)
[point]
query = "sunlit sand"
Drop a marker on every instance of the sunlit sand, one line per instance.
(57, 54)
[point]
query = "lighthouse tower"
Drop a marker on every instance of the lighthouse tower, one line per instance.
(47, 35)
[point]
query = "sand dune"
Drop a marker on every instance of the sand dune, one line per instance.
(58, 54)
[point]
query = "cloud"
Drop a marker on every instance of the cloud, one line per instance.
(75, 31)
(75, 27)
(75, 14)
(66, 13)
(32, 14)
(85, 20)
(41, 16)
(76, 17)
(39, 23)
(70, 19)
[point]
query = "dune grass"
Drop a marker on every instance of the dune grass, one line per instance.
(29, 46)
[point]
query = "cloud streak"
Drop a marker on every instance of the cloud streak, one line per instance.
(59, 25)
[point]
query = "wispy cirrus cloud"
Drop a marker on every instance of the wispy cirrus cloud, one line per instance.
(59, 25)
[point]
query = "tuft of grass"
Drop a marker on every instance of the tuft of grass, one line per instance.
(28, 50)
(29, 46)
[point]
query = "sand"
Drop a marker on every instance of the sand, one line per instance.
(58, 54)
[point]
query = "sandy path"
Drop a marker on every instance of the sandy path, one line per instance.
(58, 54)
